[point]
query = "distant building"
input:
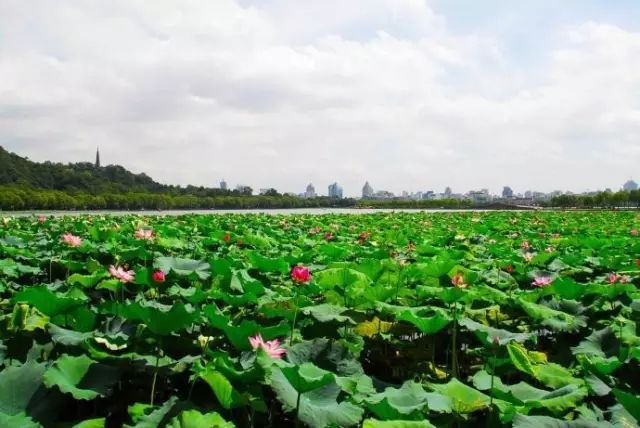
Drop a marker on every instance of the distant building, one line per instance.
(310, 192)
(479, 195)
(447, 192)
(335, 191)
(630, 185)
(223, 185)
(97, 158)
(383, 194)
(507, 192)
(367, 191)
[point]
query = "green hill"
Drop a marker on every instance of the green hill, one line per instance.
(77, 177)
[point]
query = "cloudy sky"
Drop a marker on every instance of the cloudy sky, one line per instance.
(408, 94)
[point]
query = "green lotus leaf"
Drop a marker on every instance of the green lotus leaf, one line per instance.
(46, 301)
(373, 423)
(144, 416)
(67, 373)
(488, 335)
(318, 408)
(18, 384)
(183, 267)
(195, 419)
(409, 399)
(19, 420)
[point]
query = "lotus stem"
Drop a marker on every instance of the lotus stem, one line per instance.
(295, 316)
(454, 344)
(155, 378)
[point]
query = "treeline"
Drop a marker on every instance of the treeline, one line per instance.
(621, 199)
(14, 198)
(85, 177)
(418, 204)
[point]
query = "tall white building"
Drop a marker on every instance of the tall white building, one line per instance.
(335, 191)
(367, 191)
(310, 192)
(630, 185)
(223, 185)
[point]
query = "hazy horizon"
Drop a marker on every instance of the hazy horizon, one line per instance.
(406, 94)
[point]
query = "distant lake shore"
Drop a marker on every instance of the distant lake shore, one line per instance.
(277, 211)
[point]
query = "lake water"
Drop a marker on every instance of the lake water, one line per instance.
(316, 211)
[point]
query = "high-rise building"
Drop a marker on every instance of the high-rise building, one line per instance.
(335, 191)
(97, 157)
(507, 192)
(310, 192)
(630, 185)
(223, 185)
(367, 191)
(447, 192)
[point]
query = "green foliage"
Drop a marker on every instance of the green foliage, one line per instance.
(373, 341)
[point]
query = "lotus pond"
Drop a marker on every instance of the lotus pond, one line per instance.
(391, 320)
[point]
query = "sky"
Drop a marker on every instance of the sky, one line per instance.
(409, 95)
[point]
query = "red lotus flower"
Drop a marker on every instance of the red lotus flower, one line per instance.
(300, 274)
(271, 347)
(71, 240)
(634, 232)
(638, 262)
(158, 276)
(328, 236)
(226, 237)
(509, 268)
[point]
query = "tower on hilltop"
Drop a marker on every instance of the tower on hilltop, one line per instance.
(97, 157)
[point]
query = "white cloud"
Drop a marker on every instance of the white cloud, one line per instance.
(278, 94)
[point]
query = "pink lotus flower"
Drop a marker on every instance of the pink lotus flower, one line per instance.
(123, 275)
(525, 245)
(71, 240)
(300, 274)
(634, 232)
(42, 218)
(528, 256)
(612, 278)
(145, 234)
(314, 230)
(458, 281)
(624, 279)
(271, 347)
(158, 276)
(550, 249)
(542, 281)
(328, 236)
